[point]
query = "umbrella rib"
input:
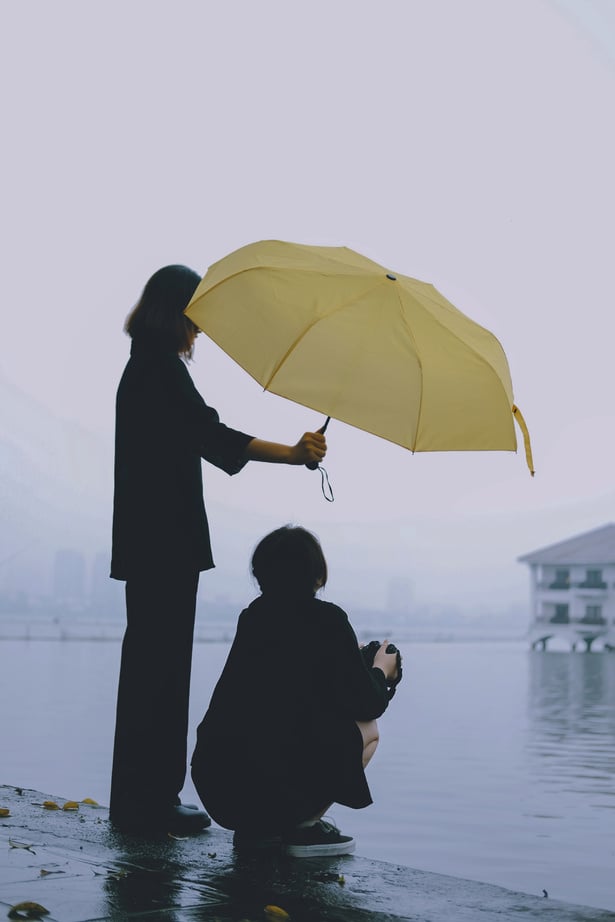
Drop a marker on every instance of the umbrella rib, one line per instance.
(232, 275)
(222, 281)
(307, 329)
(462, 339)
(469, 346)
(420, 364)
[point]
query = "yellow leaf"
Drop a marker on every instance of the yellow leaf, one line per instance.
(275, 912)
(50, 805)
(88, 800)
(71, 805)
(27, 910)
(4, 811)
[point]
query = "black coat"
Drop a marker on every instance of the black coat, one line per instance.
(163, 429)
(279, 740)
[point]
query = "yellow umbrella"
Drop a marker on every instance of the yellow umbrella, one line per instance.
(334, 331)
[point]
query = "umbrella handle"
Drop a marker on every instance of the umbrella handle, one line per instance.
(313, 465)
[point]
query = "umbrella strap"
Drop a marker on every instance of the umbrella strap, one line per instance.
(526, 437)
(325, 485)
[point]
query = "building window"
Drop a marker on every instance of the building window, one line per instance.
(561, 615)
(562, 579)
(593, 615)
(593, 580)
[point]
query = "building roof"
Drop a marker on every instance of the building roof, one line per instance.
(592, 547)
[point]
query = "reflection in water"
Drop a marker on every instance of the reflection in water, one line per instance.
(159, 879)
(149, 878)
(252, 882)
(572, 721)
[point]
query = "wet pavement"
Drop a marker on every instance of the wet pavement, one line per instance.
(73, 864)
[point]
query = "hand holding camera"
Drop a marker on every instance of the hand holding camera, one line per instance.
(387, 657)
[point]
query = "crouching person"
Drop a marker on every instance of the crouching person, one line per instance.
(292, 720)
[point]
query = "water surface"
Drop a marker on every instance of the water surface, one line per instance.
(496, 763)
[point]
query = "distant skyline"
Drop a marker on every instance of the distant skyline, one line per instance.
(470, 145)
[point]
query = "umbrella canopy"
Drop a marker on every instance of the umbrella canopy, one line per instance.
(334, 331)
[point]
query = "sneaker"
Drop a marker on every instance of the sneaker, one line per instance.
(321, 839)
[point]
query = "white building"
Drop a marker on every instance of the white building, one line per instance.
(573, 590)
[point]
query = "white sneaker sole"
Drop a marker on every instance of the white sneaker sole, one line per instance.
(320, 851)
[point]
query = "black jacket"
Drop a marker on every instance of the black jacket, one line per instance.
(281, 729)
(163, 429)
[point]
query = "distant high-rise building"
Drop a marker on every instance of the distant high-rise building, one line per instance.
(106, 594)
(69, 576)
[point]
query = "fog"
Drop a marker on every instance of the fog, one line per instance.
(469, 145)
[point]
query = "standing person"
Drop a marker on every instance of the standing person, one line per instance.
(161, 543)
(292, 721)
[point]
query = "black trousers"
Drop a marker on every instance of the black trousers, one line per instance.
(150, 747)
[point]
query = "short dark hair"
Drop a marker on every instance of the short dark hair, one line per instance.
(159, 313)
(289, 561)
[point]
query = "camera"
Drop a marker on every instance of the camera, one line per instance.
(369, 652)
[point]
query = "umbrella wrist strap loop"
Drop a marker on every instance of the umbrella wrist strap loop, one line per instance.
(325, 485)
(518, 416)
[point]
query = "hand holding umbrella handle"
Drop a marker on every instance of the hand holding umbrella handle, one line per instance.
(313, 465)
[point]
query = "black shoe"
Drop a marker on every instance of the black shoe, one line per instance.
(177, 820)
(187, 820)
(320, 839)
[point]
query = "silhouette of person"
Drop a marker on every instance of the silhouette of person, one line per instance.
(161, 543)
(292, 721)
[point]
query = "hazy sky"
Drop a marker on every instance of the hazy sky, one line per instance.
(470, 144)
